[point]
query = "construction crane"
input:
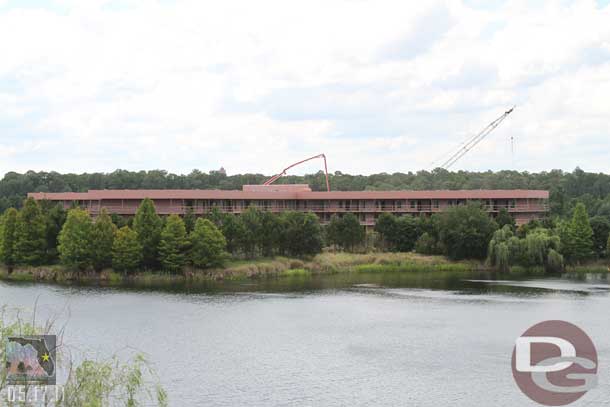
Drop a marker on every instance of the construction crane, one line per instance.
(277, 176)
(473, 141)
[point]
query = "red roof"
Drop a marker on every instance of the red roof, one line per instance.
(287, 194)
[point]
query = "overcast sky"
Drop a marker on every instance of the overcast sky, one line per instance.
(379, 86)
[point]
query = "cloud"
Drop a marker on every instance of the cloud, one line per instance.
(379, 86)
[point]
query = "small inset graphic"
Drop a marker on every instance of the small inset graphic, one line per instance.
(555, 363)
(31, 360)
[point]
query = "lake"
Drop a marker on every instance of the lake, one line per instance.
(353, 339)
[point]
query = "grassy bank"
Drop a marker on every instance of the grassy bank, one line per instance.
(326, 263)
(257, 268)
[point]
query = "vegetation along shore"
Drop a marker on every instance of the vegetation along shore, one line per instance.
(40, 241)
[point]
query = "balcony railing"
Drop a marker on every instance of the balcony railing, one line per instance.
(181, 209)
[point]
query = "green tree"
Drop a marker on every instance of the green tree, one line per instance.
(345, 231)
(505, 218)
(75, 244)
(148, 225)
(126, 250)
(302, 234)
(578, 237)
(207, 244)
(173, 244)
(251, 239)
(102, 237)
(118, 220)
(30, 247)
(385, 225)
(233, 230)
(271, 233)
(8, 238)
(466, 231)
(55, 216)
(189, 220)
(407, 232)
(601, 230)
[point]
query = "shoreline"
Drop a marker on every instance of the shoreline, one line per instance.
(276, 267)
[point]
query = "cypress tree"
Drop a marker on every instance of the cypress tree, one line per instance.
(8, 238)
(126, 250)
(147, 224)
(173, 244)
(75, 245)
(30, 247)
(102, 238)
(580, 235)
(207, 244)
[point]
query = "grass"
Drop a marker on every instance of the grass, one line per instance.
(237, 269)
(588, 268)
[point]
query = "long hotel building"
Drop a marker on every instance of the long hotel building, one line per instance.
(524, 205)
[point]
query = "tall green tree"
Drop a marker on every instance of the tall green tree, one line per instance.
(8, 238)
(126, 250)
(233, 230)
(75, 240)
(102, 238)
(271, 233)
(207, 244)
(601, 230)
(466, 231)
(252, 237)
(302, 234)
(345, 232)
(578, 241)
(173, 245)
(148, 225)
(31, 244)
(55, 216)
(386, 227)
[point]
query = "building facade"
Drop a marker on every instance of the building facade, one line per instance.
(524, 205)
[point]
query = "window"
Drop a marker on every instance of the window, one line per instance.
(412, 204)
(435, 203)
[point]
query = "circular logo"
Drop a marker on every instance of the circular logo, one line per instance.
(554, 363)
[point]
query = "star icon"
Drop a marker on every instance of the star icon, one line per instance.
(45, 357)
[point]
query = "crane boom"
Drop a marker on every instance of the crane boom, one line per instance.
(476, 139)
(283, 172)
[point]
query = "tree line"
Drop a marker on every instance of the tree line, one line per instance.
(566, 188)
(40, 233)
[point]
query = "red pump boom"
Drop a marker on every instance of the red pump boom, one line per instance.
(277, 176)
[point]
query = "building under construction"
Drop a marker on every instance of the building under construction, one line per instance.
(524, 205)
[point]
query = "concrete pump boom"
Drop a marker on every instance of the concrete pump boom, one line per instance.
(277, 176)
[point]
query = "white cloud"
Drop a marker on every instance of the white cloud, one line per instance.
(377, 86)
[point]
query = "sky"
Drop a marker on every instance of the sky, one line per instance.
(252, 86)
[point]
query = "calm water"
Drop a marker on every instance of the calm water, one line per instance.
(386, 339)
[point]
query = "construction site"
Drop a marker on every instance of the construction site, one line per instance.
(523, 205)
